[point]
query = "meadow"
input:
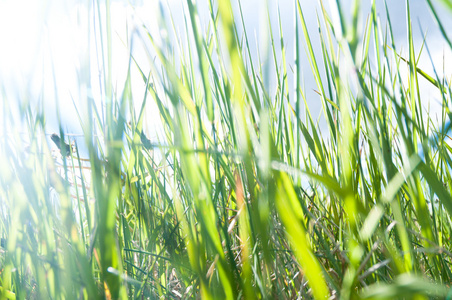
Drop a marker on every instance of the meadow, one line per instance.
(247, 194)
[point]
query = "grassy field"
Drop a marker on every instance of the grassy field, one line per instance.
(243, 197)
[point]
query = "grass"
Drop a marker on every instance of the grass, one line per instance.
(244, 196)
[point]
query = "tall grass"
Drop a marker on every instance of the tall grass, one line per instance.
(245, 196)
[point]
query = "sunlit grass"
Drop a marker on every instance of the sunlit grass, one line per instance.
(245, 197)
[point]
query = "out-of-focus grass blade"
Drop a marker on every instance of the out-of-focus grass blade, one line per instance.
(405, 285)
(447, 3)
(201, 58)
(390, 192)
(292, 216)
(437, 187)
(7, 294)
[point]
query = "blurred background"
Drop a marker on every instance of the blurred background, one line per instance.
(51, 55)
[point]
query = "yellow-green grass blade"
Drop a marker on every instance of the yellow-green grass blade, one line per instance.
(292, 216)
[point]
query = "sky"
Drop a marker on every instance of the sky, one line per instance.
(51, 50)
